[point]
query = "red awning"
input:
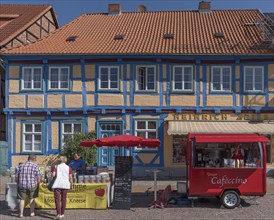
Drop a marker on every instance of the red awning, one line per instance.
(123, 140)
(228, 138)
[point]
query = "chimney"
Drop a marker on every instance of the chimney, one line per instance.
(204, 7)
(114, 9)
(142, 8)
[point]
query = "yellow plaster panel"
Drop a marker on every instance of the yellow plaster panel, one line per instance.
(253, 100)
(147, 116)
(164, 100)
(48, 160)
(30, 118)
(35, 101)
(121, 73)
(237, 69)
(146, 100)
(201, 86)
(16, 101)
(55, 101)
(271, 101)
(110, 99)
(201, 100)
(201, 72)
(127, 122)
(14, 72)
(237, 86)
(91, 124)
(90, 71)
(182, 100)
(110, 118)
(272, 144)
(77, 86)
(73, 101)
(237, 100)
(168, 147)
(128, 100)
(271, 86)
(77, 71)
(146, 158)
(128, 71)
(271, 71)
(14, 86)
(207, 79)
(164, 71)
(164, 86)
(90, 99)
(55, 135)
(128, 86)
(18, 137)
(219, 100)
(90, 86)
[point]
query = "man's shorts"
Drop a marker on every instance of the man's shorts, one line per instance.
(24, 193)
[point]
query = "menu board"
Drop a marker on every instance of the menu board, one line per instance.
(123, 180)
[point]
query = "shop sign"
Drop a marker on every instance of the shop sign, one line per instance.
(211, 117)
(80, 196)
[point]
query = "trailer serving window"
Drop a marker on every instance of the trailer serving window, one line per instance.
(232, 155)
(227, 151)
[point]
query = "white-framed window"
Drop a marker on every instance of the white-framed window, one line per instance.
(32, 78)
(253, 79)
(182, 78)
(221, 79)
(145, 78)
(109, 77)
(58, 78)
(32, 137)
(146, 129)
(69, 129)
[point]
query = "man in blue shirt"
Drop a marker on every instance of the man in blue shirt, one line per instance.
(78, 164)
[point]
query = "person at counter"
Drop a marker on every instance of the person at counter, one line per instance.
(237, 153)
(61, 185)
(28, 179)
(78, 164)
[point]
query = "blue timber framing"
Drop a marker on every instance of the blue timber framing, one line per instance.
(128, 109)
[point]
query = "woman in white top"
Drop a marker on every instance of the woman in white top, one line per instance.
(61, 185)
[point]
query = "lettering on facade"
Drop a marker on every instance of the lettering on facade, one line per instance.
(211, 117)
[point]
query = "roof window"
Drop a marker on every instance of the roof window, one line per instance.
(219, 34)
(71, 38)
(168, 36)
(119, 37)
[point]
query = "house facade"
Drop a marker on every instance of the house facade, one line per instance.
(151, 74)
(20, 25)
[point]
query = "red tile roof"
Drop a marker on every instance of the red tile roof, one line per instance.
(16, 18)
(194, 33)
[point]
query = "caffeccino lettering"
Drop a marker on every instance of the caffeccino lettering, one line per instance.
(227, 181)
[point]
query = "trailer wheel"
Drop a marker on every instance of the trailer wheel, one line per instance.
(230, 199)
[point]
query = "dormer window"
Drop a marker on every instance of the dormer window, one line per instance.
(168, 36)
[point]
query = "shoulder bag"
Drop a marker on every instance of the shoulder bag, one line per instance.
(50, 185)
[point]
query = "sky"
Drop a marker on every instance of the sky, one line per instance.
(67, 10)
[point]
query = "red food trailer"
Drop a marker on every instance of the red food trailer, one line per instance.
(226, 166)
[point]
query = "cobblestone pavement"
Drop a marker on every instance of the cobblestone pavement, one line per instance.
(262, 208)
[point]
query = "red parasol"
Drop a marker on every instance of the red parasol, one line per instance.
(123, 140)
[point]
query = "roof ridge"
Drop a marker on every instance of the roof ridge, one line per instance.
(171, 11)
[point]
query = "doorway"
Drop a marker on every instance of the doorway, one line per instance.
(106, 154)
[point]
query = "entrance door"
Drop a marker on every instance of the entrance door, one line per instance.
(107, 154)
